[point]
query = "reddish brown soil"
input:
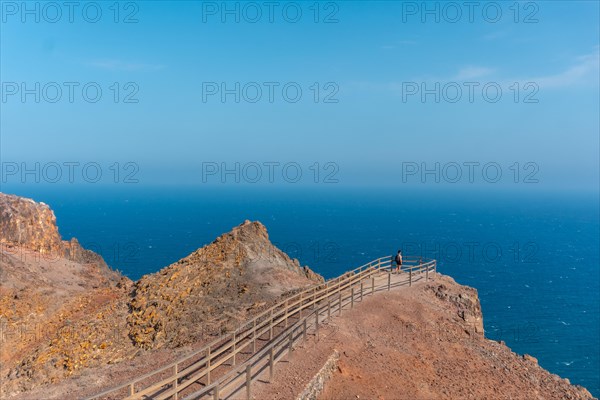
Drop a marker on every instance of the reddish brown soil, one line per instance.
(71, 327)
(413, 343)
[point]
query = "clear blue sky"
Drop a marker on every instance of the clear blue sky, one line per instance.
(373, 55)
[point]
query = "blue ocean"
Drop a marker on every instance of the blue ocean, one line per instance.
(533, 257)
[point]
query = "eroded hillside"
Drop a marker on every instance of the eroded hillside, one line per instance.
(63, 311)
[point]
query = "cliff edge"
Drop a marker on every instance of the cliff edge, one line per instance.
(422, 342)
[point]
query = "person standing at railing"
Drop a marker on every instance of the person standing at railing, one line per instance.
(398, 261)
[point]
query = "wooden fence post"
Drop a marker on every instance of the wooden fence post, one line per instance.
(271, 365)
(317, 322)
(329, 307)
(410, 277)
(389, 280)
(286, 313)
(234, 346)
(131, 389)
(352, 298)
(361, 290)
(304, 330)
(175, 383)
(372, 285)
(254, 337)
(208, 366)
(290, 345)
(340, 310)
(216, 392)
(248, 381)
(426, 274)
(271, 325)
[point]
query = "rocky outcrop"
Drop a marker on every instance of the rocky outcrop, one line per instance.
(53, 296)
(213, 288)
(28, 224)
(466, 302)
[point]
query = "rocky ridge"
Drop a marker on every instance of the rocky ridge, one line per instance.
(63, 311)
(236, 275)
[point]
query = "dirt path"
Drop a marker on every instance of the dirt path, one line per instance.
(416, 343)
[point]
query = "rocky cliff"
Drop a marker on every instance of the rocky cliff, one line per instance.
(427, 342)
(28, 224)
(50, 293)
(421, 342)
(63, 311)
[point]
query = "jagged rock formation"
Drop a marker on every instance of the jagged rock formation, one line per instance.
(64, 311)
(28, 224)
(213, 288)
(51, 293)
(466, 302)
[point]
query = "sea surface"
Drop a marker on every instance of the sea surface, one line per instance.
(533, 257)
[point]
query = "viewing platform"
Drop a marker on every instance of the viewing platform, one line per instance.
(227, 367)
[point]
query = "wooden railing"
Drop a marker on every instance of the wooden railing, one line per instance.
(292, 317)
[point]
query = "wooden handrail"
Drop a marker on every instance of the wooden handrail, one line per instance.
(225, 347)
(255, 359)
